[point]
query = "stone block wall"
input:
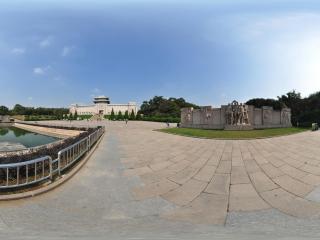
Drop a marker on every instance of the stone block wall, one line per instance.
(215, 118)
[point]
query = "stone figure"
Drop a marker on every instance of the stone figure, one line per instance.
(206, 114)
(285, 117)
(189, 115)
(237, 114)
(267, 116)
(246, 114)
(186, 115)
(229, 115)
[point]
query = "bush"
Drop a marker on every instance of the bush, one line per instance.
(40, 118)
(306, 119)
(160, 119)
(84, 117)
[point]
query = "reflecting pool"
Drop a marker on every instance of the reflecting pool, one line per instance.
(12, 138)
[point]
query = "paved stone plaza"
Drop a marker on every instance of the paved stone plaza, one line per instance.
(146, 184)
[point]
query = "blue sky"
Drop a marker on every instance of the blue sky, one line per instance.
(55, 53)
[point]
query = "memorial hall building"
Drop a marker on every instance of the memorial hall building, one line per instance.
(102, 106)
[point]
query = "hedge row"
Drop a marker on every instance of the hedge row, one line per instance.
(160, 119)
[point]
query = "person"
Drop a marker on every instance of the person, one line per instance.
(168, 124)
(126, 121)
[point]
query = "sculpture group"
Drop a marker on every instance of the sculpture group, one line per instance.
(237, 114)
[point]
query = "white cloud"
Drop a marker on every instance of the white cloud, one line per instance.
(38, 71)
(46, 42)
(66, 51)
(41, 70)
(96, 90)
(18, 51)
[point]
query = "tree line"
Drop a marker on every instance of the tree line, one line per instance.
(305, 111)
(31, 111)
(162, 107)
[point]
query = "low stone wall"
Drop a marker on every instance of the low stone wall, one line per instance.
(217, 118)
(50, 131)
(4, 119)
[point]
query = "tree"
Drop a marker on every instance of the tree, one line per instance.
(75, 115)
(139, 117)
(112, 116)
(19, 110)
(260, 102)
(126, 115)
(120, 116)
(162, 107)
(294, 101)
(4, 110)
(132, 115)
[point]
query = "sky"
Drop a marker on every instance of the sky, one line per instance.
(56, 53)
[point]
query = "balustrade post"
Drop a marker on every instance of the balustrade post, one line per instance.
(59, 166)
(50, 168)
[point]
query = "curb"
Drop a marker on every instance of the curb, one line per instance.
(57, 183)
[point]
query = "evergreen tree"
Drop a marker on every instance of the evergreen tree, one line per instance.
(120, 117)
(75, 117)
(4, 110)
(126, 115)
(132, 115)
(112, 116)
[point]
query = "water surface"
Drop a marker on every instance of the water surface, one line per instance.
(13, 135)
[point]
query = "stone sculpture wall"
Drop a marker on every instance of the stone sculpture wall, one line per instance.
(235, 116)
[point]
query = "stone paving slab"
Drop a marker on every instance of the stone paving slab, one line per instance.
(154, 189)
(239, 175)
(219, 184)
(261, 182)
(291, 204)
(293, 186)
(205, 209)
(206, 173)
(186, 193)
(243, 197)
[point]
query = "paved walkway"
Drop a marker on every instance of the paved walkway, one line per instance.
(146, 184)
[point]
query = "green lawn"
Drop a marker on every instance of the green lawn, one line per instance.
(223, 134)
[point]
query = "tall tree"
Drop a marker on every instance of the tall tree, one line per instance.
(126, 115)
(112, 115)
(4, 110)
(162, 107)
(120, 116)
(132, 115)
(75, 115)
